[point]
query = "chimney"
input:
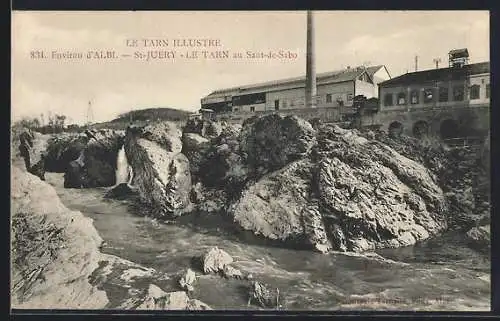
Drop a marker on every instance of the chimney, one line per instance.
(310, 64)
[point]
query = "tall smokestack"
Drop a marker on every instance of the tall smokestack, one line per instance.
(310, 64)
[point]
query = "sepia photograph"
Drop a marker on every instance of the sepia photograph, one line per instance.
(311, 160)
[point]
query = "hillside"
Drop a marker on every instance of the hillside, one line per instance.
(153, 114)
(144, 116)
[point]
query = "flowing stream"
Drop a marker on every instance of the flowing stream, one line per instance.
(438, 274)
(123, 170)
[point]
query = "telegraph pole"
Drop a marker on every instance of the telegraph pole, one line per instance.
(310, 64)
(437, 61)
(90, 114)
(416, 63)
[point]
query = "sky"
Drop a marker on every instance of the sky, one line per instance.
(342, 38)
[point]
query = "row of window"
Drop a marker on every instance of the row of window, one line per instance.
(291, 103)
(458, 94)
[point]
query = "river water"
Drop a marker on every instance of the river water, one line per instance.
(438, 274)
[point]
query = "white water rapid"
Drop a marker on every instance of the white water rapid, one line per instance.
(123, 169)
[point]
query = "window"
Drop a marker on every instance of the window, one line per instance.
(487, 90)
(414, 97)
(428, 95)
(443, 94)
(458, 93)
(328, 98)
(474, 92)
(277, 104)
(235, 109)
(388, 100)
(252, 108)
(401, 98)
(340, 101)
(349, 97)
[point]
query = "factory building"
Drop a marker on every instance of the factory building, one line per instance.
(334, 89)
(459, 85)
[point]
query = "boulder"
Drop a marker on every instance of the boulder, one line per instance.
(157, 299)
(263, 295)
(62, 149)
(203, 127)
(187, 280)
(231, 272)
(121, 191)
(222, 166)
(166, 134)
(480, 236)
(279, 207)
(349, 194)
(373, 197)
(195, 147)
(161, 173)
(96, 164)
(215, 260)
(270, 142)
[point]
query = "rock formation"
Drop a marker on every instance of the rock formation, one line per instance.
(95, 165)
(480, 236)
(62, 149)
(263, 295)
(347, 193)
(215, 260)
(269, 143)
(161, 172)
(157, 299)
(54, 250)
(32, 148)
(187, 280)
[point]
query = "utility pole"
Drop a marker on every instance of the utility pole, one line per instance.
(310, 64)
(437, 61)
(416, 63)
(90, 114)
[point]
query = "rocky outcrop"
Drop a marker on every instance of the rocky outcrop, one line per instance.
(269, 143)
(462, 173)
(32, 146)
(376, 197)
(277, 206)
(195, 147)
(56, 263)
(203, 127)
(161, 173)
(95, 165)
(349, 194)
(54, 250)
(62, 149)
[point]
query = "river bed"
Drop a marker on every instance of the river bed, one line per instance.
(438, 274)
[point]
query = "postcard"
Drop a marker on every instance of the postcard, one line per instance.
(332, 161)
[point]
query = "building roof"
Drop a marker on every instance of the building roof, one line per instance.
(337, 76)
(441, 74)
(458, 53)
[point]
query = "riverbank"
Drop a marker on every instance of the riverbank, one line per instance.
(54, 250)
(57, 262)
(439, 274)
